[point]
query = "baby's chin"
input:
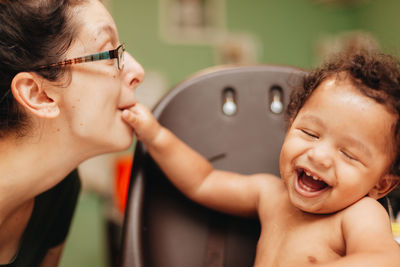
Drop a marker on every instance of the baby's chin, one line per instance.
(314, 208)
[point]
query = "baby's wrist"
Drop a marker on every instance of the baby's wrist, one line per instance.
(156, 136)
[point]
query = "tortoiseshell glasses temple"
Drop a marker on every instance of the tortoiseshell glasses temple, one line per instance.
(110, 54)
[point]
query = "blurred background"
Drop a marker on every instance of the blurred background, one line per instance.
(174, 39)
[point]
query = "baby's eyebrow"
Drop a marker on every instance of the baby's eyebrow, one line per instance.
(348, 140)
(352, 142)
(313, 119)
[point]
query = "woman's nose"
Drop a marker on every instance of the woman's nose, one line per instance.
(321, 155)
(133, 72)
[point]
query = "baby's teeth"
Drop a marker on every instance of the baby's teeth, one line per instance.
(316, 178)
(312, 176)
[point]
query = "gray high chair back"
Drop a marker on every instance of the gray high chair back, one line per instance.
(234, 117)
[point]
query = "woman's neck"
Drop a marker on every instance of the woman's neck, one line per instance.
(30, 166)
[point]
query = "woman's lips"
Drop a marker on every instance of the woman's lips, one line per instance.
(128, 106)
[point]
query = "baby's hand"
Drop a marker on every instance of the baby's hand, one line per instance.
(140, 118)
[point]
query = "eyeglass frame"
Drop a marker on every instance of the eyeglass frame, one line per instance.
(110, 54)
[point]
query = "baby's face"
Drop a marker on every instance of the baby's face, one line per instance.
(336, 149)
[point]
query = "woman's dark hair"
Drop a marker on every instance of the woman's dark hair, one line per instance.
(375, 74)
(32, 33)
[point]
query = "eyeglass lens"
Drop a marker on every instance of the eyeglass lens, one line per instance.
(121, 57)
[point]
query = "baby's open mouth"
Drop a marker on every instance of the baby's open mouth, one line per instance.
(309, 182)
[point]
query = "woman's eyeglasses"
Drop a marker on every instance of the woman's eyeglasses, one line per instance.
(117, 53)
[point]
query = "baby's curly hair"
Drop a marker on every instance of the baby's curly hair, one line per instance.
(375, 74)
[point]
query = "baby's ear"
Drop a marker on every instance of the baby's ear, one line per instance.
(29, 90)
(386, 184)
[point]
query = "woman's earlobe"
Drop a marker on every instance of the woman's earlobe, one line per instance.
(29, 90)
(384, 186)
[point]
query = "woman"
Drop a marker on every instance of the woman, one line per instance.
(54, 114)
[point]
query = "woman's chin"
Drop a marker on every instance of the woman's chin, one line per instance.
(124, 143)
(117, 144)
(124, 138)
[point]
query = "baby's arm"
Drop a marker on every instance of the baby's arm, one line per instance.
(368, 237)
(191, 173)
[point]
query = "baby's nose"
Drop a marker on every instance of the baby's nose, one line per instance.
(321, 155)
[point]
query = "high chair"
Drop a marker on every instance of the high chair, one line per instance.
(234, 116)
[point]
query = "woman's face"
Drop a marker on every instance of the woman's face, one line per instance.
(92, 103)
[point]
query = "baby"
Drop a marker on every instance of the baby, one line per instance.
(340, 154)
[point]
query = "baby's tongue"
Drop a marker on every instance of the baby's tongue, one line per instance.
(311, 184)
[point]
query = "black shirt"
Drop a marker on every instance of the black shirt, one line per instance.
(49, 223)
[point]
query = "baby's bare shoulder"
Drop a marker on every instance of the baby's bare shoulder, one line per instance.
(271, 190)
(365, 218)
(267, 182)
(366, 229)
(365, 208)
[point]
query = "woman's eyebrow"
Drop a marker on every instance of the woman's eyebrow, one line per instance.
(110, 31)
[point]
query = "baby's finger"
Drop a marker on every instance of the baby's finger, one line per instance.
(129, 117)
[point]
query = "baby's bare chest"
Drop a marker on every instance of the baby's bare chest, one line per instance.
(290, 241)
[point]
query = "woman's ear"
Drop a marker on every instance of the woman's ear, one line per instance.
(30, 91)
(384, 186)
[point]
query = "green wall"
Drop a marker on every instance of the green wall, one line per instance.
(381, 18)
(138, 26)
(287, 30)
